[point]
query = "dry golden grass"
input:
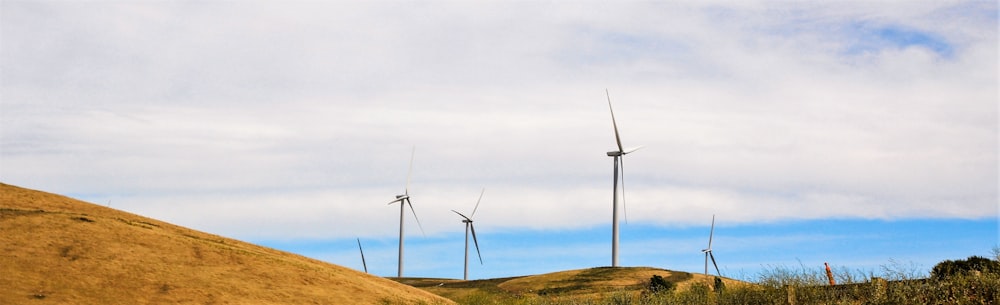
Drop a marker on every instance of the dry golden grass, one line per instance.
(58, 250)
(573, 286)
(585, 281)
(598, 282)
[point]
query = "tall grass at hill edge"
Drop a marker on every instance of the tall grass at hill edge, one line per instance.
(895, 283)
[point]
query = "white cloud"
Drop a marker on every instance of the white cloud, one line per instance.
(216, 116)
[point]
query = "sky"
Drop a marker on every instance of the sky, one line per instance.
(864, 134)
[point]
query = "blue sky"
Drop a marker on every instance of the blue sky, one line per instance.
(743, 251)
(815, 132)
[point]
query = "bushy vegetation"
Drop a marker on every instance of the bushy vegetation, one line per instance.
(658, 285)
(895, 284)
(971, 265)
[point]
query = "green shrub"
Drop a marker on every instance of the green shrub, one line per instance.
(719, 285)
(658, 284)
(972, 264)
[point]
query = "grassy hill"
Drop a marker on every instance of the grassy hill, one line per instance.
(58, 250)
(574, 285)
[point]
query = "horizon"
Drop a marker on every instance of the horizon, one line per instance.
(739, 254)
(841, 128)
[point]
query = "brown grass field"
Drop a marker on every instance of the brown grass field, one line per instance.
(573, 286)
(58, 250)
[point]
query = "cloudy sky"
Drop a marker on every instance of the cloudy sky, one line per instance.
(291, 123)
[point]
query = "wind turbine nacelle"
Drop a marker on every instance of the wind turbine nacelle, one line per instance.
(614, 153)
(402, 196)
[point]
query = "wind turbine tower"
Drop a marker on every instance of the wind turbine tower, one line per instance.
(617, 155)
(404, 200)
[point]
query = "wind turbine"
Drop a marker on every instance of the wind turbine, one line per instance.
(708, 251)
(617, 155)
(404, 200)
(363, 264)
(468, 227)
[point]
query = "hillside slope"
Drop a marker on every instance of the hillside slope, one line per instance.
(583, 285)
(58, 250)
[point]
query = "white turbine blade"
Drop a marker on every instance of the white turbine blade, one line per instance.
(397, 200)
(711, 233)
(415, 217)
(476, 241)
(477, 203)
(714, 264)
(618, 139)
(630, 150)
(460, 214)
(410, 172)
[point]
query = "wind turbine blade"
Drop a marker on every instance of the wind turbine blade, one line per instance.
(477, 203)
(362, 256)
(711, 233)
(415, 217)
(630, 150)
(476, 241)
(618, 139)
(714, 264)
(460, 214)
(397, 200)
(410, 172)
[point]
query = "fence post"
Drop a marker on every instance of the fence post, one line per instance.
(790, 295)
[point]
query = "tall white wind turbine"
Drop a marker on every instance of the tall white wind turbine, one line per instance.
(467, 220)
(404, 200)
(708, 251)
(617, 155)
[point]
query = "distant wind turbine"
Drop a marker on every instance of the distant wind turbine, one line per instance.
(404, 200)
(363, 264)
(468, 227)
(617, 155)
(708, 251)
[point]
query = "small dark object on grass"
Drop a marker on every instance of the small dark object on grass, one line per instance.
(658, 284)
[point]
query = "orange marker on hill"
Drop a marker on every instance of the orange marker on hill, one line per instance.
(829, 274)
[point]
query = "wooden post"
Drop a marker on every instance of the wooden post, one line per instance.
(790, 295)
